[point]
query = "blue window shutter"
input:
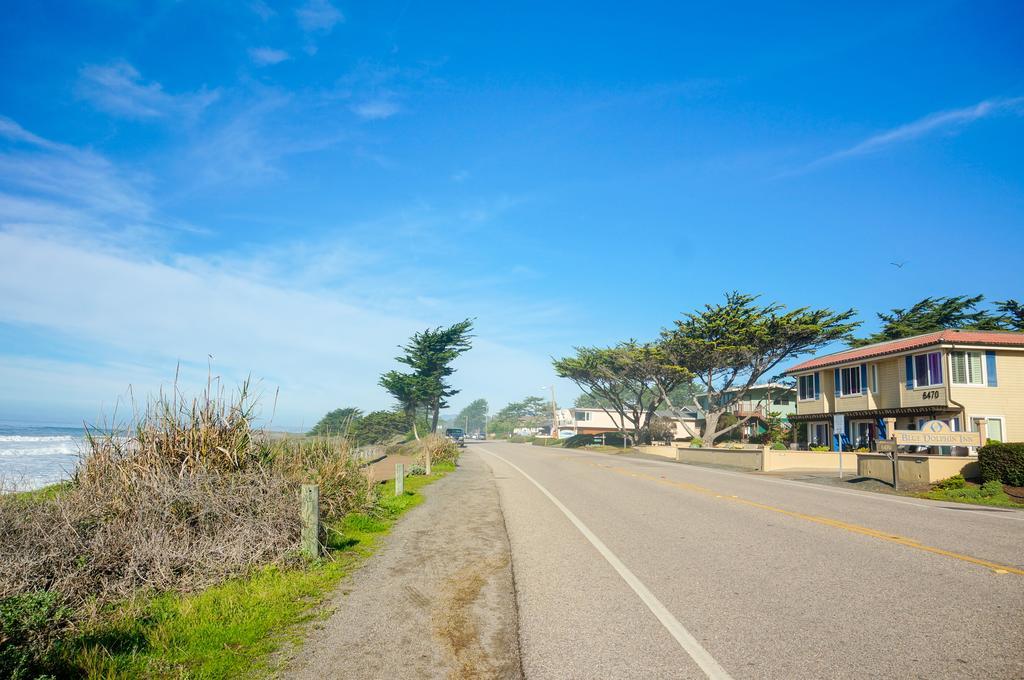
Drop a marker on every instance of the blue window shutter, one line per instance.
(817, 385)
(835, 375)
(863, 378)
(909, 363)
(990, 359)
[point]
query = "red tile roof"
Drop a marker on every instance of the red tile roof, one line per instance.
(999, 338)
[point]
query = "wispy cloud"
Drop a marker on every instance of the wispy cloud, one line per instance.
(318, 16)
(267, 56)
(248, 146)
(322, 347)
(932, 123)
(119, 89)
(46, 185)
(375, 109)
(261, 9)
(70, 215)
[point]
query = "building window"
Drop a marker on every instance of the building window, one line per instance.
(849, 381)
(806, 387)
(817, 434)
(874, 378)
(967, 368)
(928, 369)
(780, 401)
(863, 433)
(582, 415)
(993, 427)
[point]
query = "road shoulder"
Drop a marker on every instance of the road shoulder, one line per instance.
(437, 600)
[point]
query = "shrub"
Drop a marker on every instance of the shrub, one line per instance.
(1003, 463)
(779, 446)
(29, 625)
(614, 439)
(546, 441)
(954, 482)
(578, 440)
(415, 470)
(696, 443)
(379, 427)
(820, 449)
(991, 488)
(441, 449)
(188, 495)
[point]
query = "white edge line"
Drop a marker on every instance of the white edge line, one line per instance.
(689, 643)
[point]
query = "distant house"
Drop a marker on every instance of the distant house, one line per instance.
(956, 376)
(598, 421)
(757, 403)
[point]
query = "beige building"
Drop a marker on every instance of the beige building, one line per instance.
(956, 376)
(599, 421)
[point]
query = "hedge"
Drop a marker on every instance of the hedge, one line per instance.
(1002, 462)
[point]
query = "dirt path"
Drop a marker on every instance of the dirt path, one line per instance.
(437, 600)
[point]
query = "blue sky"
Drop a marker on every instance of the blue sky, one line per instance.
(294, 188)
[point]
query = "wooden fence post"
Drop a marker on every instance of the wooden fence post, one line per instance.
(310, 513)
(399, 479)
(427, 466)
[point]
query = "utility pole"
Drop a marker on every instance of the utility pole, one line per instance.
(554, 412)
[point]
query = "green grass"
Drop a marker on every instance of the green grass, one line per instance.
(233, 629)
(44, 493)
(972, 494)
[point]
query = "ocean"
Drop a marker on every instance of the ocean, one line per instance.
(34, 455)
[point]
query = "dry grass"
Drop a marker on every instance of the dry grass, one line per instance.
(187, 495)
(440, 448)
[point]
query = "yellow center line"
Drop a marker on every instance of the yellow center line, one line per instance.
(825, 521)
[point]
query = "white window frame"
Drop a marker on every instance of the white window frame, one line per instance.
(984, 368)
(1002, 423)
(813, 426)
(854, 426)
(942, 365)
(856, 371)
(585, 419)
(813, 397)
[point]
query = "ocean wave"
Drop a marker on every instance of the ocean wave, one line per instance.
(37, 438)
(36, 451)
(40, 446)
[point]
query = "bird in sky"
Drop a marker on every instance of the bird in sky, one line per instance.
(898, 265)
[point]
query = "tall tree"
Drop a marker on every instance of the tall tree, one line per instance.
(430, 354)
(379, 427)
(474, 416)
(682, 394)
(1011, 315)
(630, 379)
(729, 347)
(529, 412)
(337, 422)
(410, 393)
(939, 313)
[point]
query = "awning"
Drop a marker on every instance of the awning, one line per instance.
(874, 413)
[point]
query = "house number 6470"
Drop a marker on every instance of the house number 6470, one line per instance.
(932, 394)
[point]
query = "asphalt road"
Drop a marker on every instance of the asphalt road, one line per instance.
(632, 568)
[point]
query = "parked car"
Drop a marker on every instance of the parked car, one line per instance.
(456, 435)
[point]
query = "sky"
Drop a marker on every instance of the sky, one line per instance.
(290, 190)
